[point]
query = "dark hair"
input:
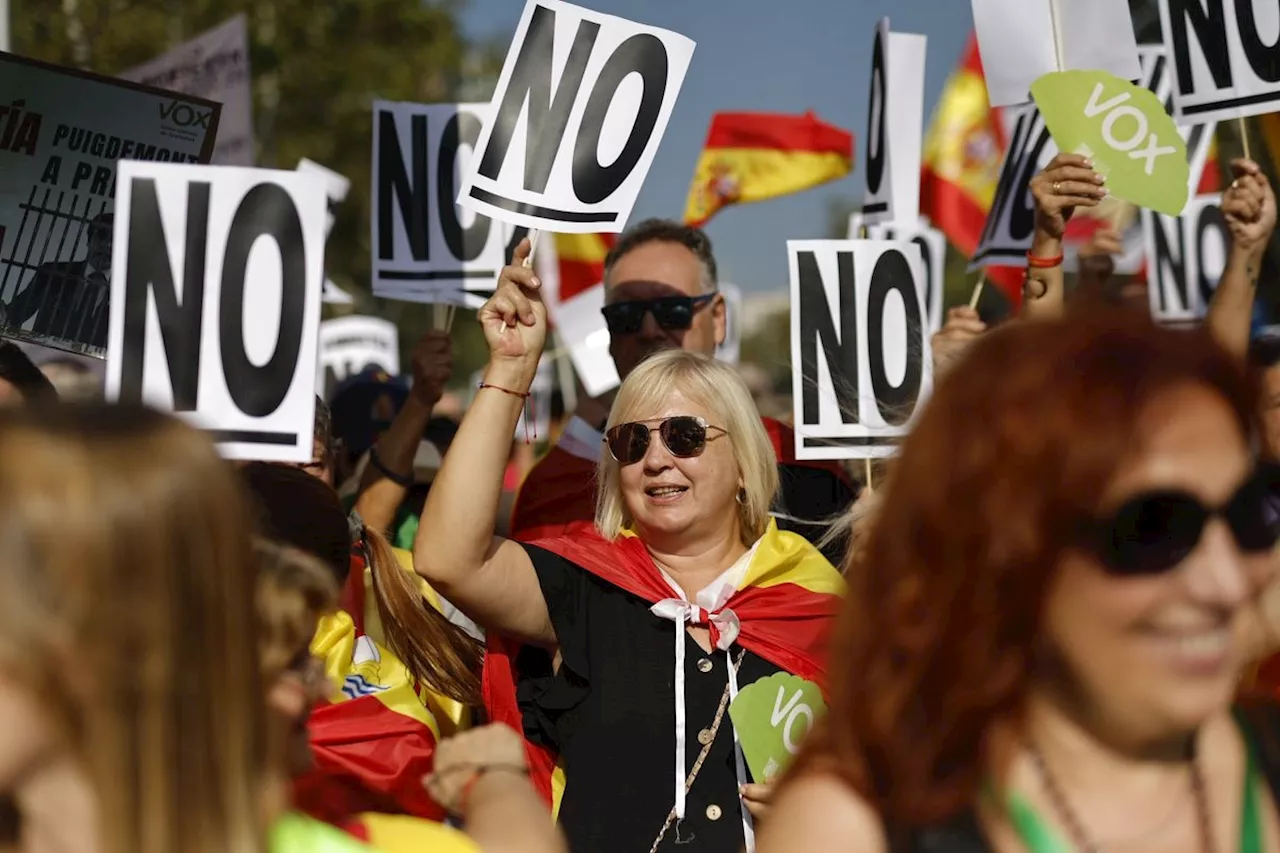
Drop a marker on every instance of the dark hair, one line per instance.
(21, 371)
(324, 429)
(298, 509)
(1264, 352)
(945, 606)
(666, 231)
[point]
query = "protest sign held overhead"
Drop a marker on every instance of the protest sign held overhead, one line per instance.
(1022, 40)
(213, 65)
(61, 135)
(1006, 237)
(933, 251)
(860, 354)
(1224, 57)
(336, 189)
(1123, 129)
(348, 345)
(1157, 75)
(895, 127)
(215, 301)
(585, 97)
(1186, 257)
(425, 244)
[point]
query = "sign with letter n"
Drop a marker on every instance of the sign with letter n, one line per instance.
(861, 363)
(579, 110)
(215, 301)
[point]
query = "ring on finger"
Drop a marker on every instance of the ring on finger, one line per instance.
(1235, 185)
(1057, 187)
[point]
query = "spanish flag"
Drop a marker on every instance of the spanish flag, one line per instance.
(754, 156)
(786, 606)
(581, 261)
(403, 834)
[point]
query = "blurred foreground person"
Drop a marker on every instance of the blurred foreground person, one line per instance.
(482, 776)
(20, 380)
(133, 716)
(1041, 645)
(682, 591)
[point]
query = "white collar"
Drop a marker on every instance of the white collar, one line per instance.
(713, 596)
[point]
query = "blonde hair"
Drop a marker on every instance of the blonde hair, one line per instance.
(293, 591)
(126, 603)
(717, 387)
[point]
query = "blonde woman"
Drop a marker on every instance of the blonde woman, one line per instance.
(682, 592)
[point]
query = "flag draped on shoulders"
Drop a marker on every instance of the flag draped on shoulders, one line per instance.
(403, 834)
(376, 737)
(785, 605)
(755, 156)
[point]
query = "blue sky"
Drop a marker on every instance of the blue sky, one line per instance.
(766, 56)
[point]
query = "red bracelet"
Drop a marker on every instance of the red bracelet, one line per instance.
(527, 396)
(1040, 263)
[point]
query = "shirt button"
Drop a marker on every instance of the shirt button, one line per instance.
(704, 737)
(704, 665)
(713, 812)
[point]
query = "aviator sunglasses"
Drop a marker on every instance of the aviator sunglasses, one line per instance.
(1154, 531)
(673, 313)
(685, 436)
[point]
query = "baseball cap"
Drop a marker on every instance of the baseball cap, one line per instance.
(364, 405)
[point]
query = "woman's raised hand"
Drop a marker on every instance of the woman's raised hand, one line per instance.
(1249, 206)
(1068, 182)
(515, 319)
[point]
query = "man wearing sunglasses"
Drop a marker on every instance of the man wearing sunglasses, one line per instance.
(661, 293)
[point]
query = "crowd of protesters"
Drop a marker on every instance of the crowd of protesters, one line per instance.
(1046, 627)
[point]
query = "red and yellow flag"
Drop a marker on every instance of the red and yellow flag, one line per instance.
(754, 156)
(581, 258)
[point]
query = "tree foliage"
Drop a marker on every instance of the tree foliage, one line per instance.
(317, 68)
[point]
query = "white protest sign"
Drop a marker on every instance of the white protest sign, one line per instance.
(215, 303)
(933, 249)
(1006, 238)
(578, 114)
(62, 132)
(1158, 76)
(423, 241)
(1186, 257)
(348, 345)
(731, 349)
(213, 65)
(895, 126)
(1022, 40)
(1224, 56)
(580, 328)
(336, 187)
(861, 361)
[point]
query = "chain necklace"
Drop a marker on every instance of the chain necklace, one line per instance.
(1058, 801)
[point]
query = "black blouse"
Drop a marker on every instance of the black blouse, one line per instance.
(610, 713)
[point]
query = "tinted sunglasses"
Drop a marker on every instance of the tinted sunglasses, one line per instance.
(1155, 531)
(673, 313)
(685, 436)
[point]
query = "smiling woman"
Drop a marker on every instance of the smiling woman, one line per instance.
(684, 557)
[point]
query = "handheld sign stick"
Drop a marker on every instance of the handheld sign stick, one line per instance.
(866, 465)
(533, 246)
(977, 294)
(1244, 137)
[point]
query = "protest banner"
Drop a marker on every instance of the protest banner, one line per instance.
(214, 65)
(895, 127)
(861, 361)
(227, 336)
(62, 132)
(565, 116)
(1186, 256)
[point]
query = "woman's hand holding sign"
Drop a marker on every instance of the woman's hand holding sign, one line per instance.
(1249, 206)
(515, 319)
(1068, 182)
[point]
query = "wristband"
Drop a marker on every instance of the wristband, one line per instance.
(1039, 263)
(527, 398)
(402, 480)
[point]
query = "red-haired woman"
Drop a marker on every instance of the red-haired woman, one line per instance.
(1039, 651)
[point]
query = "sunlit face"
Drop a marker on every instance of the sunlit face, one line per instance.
(1271, 411)
(27, 742)
(1159, 653)
(292, 696)
(668, 496)
(653, 271)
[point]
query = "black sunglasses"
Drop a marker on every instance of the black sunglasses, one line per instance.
(684, 435)
(673, 313)
(1155, 531)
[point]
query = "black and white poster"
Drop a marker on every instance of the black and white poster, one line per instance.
(895, 126)
(213, 65)
(578, 113)
(1011, 222)
(1158, 76)
(336, 188)
(215, 301)
(1186, 256)
(933, 249)
(861, 362)
(348, 345)
(1226, 57)
(427, 247)
(62, 132)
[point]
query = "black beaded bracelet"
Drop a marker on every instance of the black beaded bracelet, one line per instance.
(403, 480)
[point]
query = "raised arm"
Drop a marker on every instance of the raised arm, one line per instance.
(490, 579)
(1249, 206)
(1066, 183)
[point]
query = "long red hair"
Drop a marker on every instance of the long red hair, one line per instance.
(943, 614)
